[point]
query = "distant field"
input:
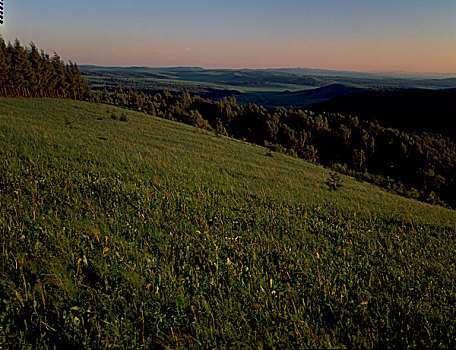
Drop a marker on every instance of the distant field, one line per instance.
(123, 230)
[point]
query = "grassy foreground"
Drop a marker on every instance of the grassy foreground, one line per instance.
(143, 232)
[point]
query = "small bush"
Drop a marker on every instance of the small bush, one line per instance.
(334, 181)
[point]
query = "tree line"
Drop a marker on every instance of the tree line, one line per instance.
(417, 165)
(28, 72)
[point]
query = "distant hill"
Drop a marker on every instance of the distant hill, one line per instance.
(298, 99)
(356, 74)
(324, 93)
(410, 110)
(322, 72)
(241, 79)
(268, 87)
(184, 69)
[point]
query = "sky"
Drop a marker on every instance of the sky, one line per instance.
(357, 35)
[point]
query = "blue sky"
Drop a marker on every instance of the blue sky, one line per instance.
(408, 35)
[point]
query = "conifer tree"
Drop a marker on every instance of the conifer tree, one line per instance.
(26, 72)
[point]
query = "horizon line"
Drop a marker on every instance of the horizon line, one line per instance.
(397, 71)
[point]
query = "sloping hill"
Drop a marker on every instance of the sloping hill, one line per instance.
(410, 110)
(122, 230)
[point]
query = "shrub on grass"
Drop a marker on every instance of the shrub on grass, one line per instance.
(334, 181)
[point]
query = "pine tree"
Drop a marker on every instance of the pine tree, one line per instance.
(27, 73)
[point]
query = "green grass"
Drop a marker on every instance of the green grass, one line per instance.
(151, 233)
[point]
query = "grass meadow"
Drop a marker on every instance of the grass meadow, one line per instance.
(121, 230)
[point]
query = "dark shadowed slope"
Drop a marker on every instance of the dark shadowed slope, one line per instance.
(410, 110)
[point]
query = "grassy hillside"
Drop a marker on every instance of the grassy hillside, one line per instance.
(122, 230)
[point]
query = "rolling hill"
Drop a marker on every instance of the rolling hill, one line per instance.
(268, 87)
(121, 230)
